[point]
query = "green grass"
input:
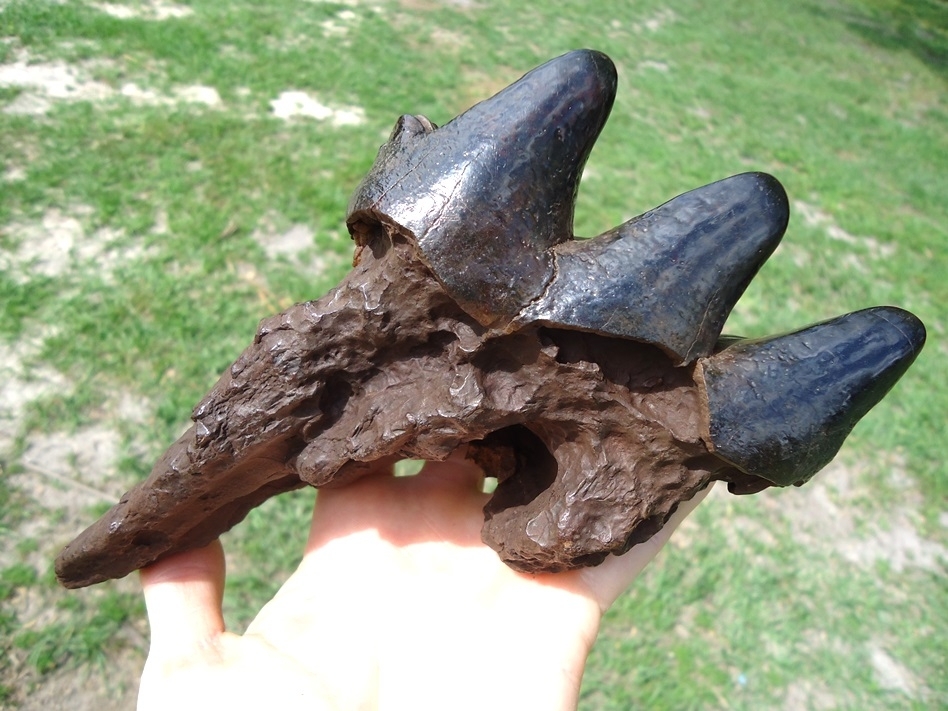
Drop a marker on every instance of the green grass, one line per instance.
(843, 101)
(83, 637)
(719, 626)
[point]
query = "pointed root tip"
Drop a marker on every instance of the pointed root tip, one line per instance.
(106, 551)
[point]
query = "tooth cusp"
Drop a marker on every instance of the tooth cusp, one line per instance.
(671, 276)
(487, 195)
(781, 407)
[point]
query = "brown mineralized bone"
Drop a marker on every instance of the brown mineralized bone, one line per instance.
(588, 376)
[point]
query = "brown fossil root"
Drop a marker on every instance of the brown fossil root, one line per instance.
(332, 385)
(595, 440)
(589, 376)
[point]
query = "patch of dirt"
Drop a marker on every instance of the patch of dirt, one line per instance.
(815, 217)
(300, 104)
(14, 174)
(44, 249)
(287, 244)
(435, 4)
(45, 83)
(653, 65)
(812, 696)
(890, 674)
(656, 21)
(149, 10)
(294, 243)
(449, 40)
(197, 94)
(340, 25)
(58, 243)
(838, 511)
(60, 474)
(21, 155)
(71, 470)
(23, 381)
(85, 691)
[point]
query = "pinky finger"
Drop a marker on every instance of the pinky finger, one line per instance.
(183, 596)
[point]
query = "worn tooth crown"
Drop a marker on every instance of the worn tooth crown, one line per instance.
(670, 277)
(780, 407)
(488, 194)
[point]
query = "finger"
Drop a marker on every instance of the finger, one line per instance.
(183, 597)
(608, 580)
(371, 501)
(343, 510)
(456, 470)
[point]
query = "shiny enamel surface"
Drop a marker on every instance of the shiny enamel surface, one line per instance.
(670, 277)
(487, 195)
(780, 407)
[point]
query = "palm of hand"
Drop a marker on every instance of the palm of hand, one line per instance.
(396, 604)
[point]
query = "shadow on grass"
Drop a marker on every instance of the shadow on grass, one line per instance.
(918, 26)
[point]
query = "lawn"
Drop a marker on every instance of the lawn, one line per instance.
(172, 172)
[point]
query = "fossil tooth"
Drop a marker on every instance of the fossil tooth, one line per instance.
(670, 277)
(486, 195)
(473, 322)
(780, 407)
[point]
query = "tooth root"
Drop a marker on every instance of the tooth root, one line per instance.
(670, 277)
(780, 407)
(489, 193)
(175, 509)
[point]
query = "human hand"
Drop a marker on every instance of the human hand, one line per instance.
(397, 604)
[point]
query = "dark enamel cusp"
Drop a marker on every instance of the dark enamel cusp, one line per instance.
(671, 276)
(780, 407)
(489, 193)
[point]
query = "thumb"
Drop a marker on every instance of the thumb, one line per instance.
(183, 597)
